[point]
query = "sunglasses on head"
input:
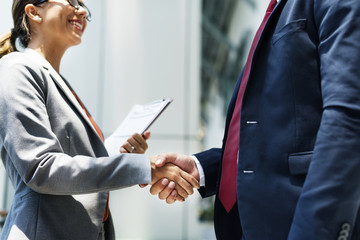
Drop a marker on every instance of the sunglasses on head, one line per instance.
(75, 4)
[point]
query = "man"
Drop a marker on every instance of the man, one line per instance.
(297, 160)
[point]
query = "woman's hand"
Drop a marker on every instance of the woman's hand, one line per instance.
(136, 143)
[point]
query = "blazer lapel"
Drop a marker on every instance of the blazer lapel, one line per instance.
(60, 82)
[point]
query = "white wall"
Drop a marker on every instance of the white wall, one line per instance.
(135, 52)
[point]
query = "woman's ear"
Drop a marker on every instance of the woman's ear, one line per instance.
(32, 13)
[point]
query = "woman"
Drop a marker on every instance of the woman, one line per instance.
(51, 148)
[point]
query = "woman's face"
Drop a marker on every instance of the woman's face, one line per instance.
(62, 24)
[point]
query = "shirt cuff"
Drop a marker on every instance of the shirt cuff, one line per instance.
(201, 171)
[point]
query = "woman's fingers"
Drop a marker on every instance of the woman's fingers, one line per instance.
(136, 144)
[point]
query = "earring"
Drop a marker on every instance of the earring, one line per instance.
(38, 18)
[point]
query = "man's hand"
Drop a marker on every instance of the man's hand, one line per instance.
(164, 188)
(184, 182)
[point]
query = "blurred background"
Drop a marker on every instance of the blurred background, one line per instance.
(138, 51)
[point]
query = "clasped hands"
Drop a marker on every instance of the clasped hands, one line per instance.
(173, 175)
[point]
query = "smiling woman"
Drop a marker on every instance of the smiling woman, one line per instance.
(56, 23)
(29, 15)
(52, 149)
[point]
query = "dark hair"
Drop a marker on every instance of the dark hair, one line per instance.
(20, 31)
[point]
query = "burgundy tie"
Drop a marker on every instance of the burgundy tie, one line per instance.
(227, 191)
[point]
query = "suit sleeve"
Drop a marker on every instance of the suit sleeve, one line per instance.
(34, 153)
(329, 202)
(210, 161)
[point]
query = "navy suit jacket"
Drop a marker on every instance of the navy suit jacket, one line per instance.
(299, 151)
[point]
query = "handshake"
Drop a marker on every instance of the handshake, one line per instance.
(173, 176)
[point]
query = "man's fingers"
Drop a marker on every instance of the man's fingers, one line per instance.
(179, 198)
(184, 183)
(164, 194)
(159, 186)
(190, 179)
(172, 197)
(181, 191)
(162, 159)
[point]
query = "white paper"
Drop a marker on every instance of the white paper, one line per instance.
(138, 120)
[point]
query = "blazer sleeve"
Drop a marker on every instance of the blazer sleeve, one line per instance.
(31, 150)
(210, 161)
(329, 202)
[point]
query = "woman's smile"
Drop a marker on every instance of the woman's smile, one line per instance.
(78, 24)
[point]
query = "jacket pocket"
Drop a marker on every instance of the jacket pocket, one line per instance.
(299, 162)
(292, 27)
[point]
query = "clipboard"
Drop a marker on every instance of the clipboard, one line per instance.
(138, 120)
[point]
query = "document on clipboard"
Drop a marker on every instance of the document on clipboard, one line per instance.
(138, 120)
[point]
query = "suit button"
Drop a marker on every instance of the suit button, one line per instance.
(344, 232)
(346, 227)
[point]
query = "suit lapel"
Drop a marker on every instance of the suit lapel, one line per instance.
(270, 22)
(277, 10)
(60, 82)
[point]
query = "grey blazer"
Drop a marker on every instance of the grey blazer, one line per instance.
(56, 161)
